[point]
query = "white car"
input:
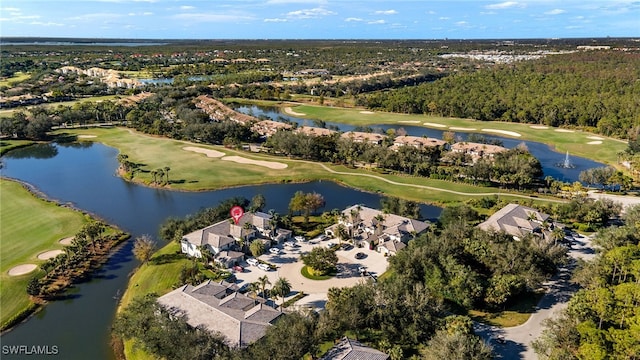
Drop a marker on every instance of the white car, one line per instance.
(252, 261)
(330, 244)
(300, 238)
(289, 244)
(274, 251)
(264, 267)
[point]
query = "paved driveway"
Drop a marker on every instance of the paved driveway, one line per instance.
(289, 266)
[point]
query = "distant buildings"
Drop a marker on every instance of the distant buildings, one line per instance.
(108, 76)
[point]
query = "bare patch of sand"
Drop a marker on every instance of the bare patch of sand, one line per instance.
(564, 130)
(434, 124)
(597, 142)
(409, 121)
(539, 127)
(49, 254)
(503, 132)
(290, 111)
(461, 128)
(595, 138)
(67, 240)
(366, 112)
(22, 269)
(267, 164)
(86, 136)
(210, 153)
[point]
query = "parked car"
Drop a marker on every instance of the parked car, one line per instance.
(330, 244)
(360, 255)
(252, 261)
(362, 270)
(264, 267)
(289, 244)
(274, 251)
(238, 268)
(323, 237)
(300, 238)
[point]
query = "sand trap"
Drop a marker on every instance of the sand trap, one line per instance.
(366, 112)
(290, 111)
(22, 269)
(86, 136)
(210, 153)
(461, 128)
(434, 124)
(409, 121)
(539, 127)
(503, 132)
(564, 130)
(597, 142)
(67, 241)
(49, 254)
(267, 164)
(595, 138)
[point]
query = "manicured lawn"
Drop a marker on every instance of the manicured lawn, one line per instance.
(17, 78)
(514, 315)
(306, 273)
(29, 226)
(7, 145)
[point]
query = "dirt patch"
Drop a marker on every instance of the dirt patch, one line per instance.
(503, 132)
(210, 153)
(366, 112)
(22, 269)
(595, 138)
(539, 127)
(290, 111)
(49, 254)
(461, 128)
(86, 136)
(564, 130)
(434, 124)
(67, 240)
(597, 142)
(267, 164)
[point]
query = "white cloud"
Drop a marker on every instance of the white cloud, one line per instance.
(376, 22)
(272, 2)
(462, 23)
(212, 17)
(45, 23)
(95, 16)
(431, 12)
(310, 13)
(9, 9)
(275, 20)
(571, 27)
(353, 19)
(444, 18)
(187, 7)
(385, 12)
(147, 13)
(555, 12)
(502, 5)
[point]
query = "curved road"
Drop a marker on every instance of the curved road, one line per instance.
(518, 339)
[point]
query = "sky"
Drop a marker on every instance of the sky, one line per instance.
(320, 19)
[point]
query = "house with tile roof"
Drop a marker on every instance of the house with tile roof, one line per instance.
(477, 150)
(220, 308)
(418, 142)
(519, 221)
(364, 137)
(348, 349)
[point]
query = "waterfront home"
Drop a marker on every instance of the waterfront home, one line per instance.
(363, 137)
(476, 150)
(348, 349)
(315, 131)
(267, 128)
(371, 228)
(220, 308)
(418, 142)
(519, 221)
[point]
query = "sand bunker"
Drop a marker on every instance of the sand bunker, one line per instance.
(267, 164)
(67, 241)
(49, 254)
(503, 132)
(597, 142)
(86, 136)
(210, 153)
(366, 112)
(461, 128)
(290, 111)
(564, 130)
(434, 124)
(595, 138)
(22, 269)
(539, 127)
(409, 121)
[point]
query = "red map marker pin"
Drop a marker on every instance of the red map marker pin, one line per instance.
(236, 213)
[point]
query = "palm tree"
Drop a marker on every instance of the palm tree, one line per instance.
(253, 289)
(154, 174)
(263, 281)
(160, 174)
(379, 223)
(281, 288)
(342, 233)
(166, 172)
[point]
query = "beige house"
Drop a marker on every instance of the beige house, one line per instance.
(476, 150)
(519, 221)
(269, 127)
(419, 142)
(363, 137)
(315, 131)
(220, 308)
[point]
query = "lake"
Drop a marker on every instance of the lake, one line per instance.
(548, 157)
(83, 174)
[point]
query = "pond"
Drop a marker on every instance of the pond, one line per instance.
(83, 174)
(548, 157)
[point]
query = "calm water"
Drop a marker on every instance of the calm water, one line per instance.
(84, 176)
(544, 153)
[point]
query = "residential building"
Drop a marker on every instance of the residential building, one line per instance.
(363, 137)
(315, 131)
(476, 150)
(419, 142)
(267, 128)
(220, 308)
(348, 349)
(519, 221)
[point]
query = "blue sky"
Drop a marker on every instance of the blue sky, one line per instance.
(320, 19)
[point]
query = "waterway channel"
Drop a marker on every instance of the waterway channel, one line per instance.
(83, 174)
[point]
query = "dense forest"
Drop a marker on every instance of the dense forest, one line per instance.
(594, 90)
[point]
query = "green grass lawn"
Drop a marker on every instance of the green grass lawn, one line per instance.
(15, 79)
(29, 226)
(514, 315)
(7, 145)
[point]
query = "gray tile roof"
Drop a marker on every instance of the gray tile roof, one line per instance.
(353, 350)
(515, 220)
